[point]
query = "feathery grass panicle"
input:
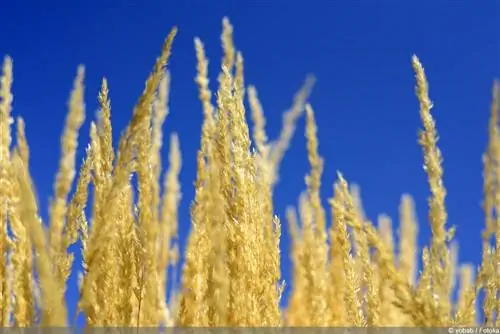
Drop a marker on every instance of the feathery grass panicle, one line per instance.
(337, 277)
(491, 166)
(437, 211)
(105, 130)
(465, 314)
(128, 140)
(193, 309)
(6, 98)
(127, 303)
(123, 167)
(367, 270)
(495, 147)
(264, 172)
(343, 211)
(160, 113)
(318, 246)
(259, 121)
(21, 141)
(169, 218)
(148, 227)
(64, 180)
(95, 309)
(21, 255)
(296, 310)
(313, 180)
(280, 146)
(202, 80)
(54, 310)
(218, 292)
(227, 45)
(102, 168)
(21, 262)
(232, 274)
(408, 238)
(270, 238)
(78, 201)
(388, 315)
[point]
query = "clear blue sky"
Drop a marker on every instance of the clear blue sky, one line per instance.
(359, 50)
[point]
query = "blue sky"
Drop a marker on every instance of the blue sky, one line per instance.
(364, 99)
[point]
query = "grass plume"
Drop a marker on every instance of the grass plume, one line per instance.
(347, 270)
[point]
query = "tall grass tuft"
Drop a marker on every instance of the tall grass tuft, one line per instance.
(351, 272)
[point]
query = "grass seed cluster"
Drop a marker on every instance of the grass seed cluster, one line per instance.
(350, 274)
